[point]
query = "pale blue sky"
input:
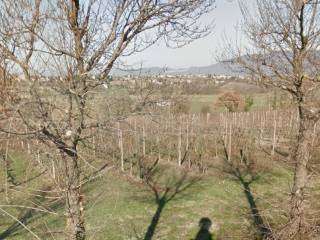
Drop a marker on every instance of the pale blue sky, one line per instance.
(202, 52)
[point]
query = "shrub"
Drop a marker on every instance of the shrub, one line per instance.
(230, 100)
(248, 103)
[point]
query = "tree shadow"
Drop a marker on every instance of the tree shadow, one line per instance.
(11, 178)
(164, 192)
(28, 216)
(242, 170)
(204, 231)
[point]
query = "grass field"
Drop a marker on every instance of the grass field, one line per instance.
(119, 207)
(260, 101)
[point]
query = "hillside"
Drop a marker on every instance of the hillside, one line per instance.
(214, 69)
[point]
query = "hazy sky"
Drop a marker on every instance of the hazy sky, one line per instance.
(201, 52)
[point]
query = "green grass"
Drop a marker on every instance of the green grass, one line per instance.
(120, 208)
(260, 101)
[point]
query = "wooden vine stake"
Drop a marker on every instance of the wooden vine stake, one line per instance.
(121, 146)
(179, 146)
(274, 133)
(159, 150)
(230, 142)
(143, 138)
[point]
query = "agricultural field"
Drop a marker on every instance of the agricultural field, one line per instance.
(198, 102)
(129, 120)
(184, 151)
(122, 207)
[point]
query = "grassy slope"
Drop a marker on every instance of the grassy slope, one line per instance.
(120, 209)
(261, 101)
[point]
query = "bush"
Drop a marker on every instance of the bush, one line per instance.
(248, 103)
(230, 100)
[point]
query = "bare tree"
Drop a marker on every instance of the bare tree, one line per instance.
(64, 50)
(284, 53)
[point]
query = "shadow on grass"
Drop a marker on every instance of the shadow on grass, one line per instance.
(11, 178)
(204, 232)
(27, 217)
(242, 169)
(164, 193)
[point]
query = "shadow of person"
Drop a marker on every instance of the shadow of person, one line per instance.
(204, 233)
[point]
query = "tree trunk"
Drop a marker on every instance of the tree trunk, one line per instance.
(302, 155)
(74, 202)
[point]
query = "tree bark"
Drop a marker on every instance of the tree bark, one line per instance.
(302, 155)
(75, 228)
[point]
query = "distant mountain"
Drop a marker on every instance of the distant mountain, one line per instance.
(221, 68)
(215, 69)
